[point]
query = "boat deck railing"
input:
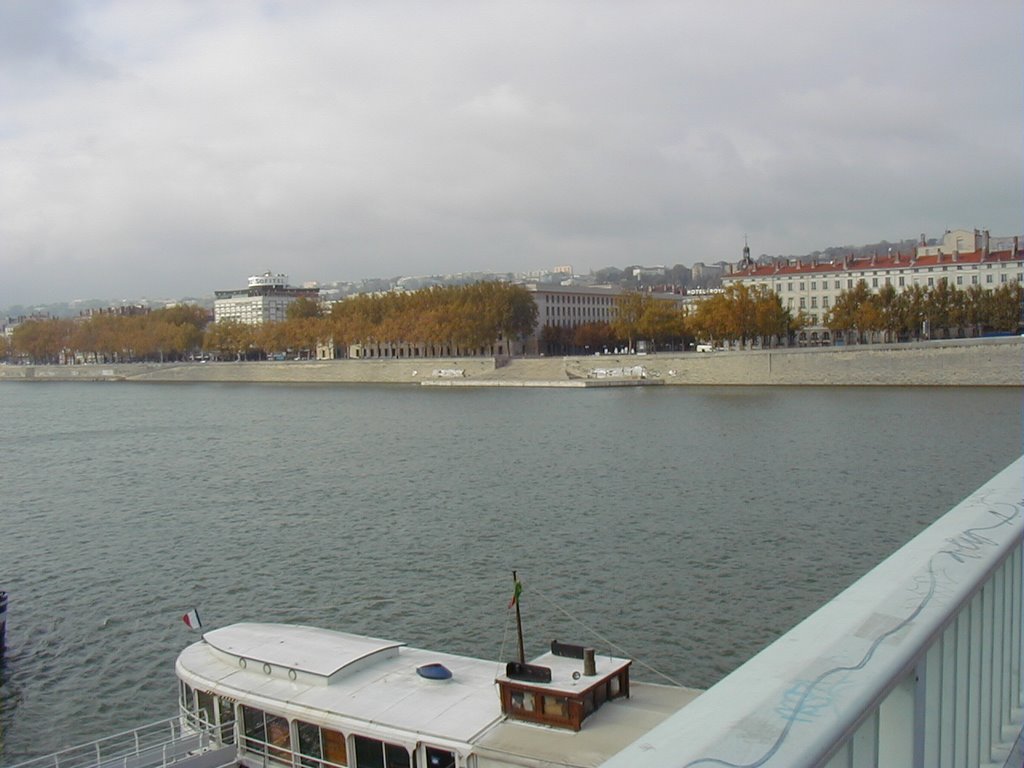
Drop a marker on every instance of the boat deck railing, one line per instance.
(192, 743)
(916, 664)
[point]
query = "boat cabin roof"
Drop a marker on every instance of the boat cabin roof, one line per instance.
(312, 651)
(372, 684)
(565, 672)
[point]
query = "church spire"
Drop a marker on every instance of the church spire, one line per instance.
(746, 262)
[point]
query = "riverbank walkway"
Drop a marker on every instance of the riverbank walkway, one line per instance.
(997, 362)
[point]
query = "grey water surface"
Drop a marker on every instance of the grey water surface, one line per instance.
(686, 527)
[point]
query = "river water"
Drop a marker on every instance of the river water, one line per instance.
(686, 527)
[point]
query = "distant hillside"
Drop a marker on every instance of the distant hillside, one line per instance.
(674, 278)
(837, 252)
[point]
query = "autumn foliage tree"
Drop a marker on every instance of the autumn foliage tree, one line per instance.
(938, 311)
(467, 317)
(640, 316)
(741, 313)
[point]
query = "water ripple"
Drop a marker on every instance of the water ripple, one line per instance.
(689, 526)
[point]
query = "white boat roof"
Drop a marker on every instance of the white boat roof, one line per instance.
(305, 649)
(369, 682)
(370, 686)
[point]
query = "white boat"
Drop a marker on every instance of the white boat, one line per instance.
(302, 696)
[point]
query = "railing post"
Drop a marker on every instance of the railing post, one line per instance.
(985, 679)
(896, 725)
(999, 681)
(947, 720)
(864, 744)
(974, 683)
(928, 706)
(1016, 617)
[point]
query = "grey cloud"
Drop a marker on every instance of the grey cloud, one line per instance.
(333, 141)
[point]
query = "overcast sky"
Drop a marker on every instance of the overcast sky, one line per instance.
(166, 149)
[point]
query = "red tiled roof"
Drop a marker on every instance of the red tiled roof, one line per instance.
(865, 263)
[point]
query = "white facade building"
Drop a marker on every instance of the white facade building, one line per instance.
(265, 300)
(814, 287)
(570, 306)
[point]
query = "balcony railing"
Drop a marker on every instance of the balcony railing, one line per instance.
(917, 664)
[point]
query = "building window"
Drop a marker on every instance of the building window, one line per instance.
(874, 282)
(814, 302)
(959, 279)
(931, 282)
(888, 281)
(814, 285)
(902, 281)
(988, 278)
(849, 284)
(803, 302)
(801, 285)
(824, 302)
(836, 286)
(1002, 278)
(790, 287)
(974, 279)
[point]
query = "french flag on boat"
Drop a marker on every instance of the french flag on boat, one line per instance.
(191, 619)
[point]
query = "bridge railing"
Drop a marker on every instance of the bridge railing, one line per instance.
(916, 664)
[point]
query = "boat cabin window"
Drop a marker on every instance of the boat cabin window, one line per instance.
(266, 734)
(204, 706)
(540, 702)
(523, 701)
(371, 753)
(255, 725)
(226, 712)
(440, 758)
(201, 707)
(318, 746)
(556, 706)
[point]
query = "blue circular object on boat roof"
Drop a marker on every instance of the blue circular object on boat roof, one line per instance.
(434, 672)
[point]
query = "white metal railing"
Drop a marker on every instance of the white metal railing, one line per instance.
(162, 743)
(269, 755)
(917, 664)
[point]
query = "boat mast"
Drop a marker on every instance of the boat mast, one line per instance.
(516, 591)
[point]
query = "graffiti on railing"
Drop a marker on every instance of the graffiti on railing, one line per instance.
(804, 701)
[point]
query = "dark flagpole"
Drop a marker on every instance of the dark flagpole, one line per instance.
(519, 618)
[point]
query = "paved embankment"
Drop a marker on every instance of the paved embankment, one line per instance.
(985, 362)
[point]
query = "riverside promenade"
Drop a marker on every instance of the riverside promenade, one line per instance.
(995, 362)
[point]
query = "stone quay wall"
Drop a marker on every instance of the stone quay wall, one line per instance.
(997, 362)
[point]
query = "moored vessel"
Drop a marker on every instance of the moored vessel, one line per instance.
(298, 695)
